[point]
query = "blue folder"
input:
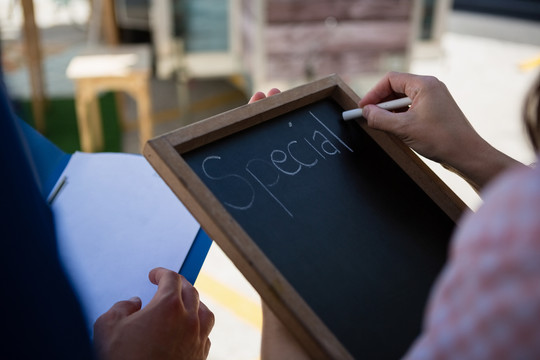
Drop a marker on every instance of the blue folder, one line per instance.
(49, 163)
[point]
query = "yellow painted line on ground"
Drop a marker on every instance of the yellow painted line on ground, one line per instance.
(166, 115)
(215, 101)
(530, 64)
(197, 106)
(244, 308)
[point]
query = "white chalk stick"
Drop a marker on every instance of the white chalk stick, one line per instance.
(388, 105)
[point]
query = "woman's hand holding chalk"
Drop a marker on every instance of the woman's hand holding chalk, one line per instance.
(388, 105)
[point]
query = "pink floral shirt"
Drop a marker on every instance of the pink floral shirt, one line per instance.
(486, 303)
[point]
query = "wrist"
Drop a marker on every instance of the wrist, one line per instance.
(480, 164)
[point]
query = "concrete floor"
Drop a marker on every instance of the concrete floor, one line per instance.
(482, 59)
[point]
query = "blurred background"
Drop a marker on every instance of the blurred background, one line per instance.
(202, 57)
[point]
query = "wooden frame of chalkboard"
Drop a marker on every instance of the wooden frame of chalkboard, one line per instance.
(194, 168)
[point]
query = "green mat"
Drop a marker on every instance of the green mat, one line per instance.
(61, 122)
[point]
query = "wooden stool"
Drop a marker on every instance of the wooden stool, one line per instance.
(118, 68)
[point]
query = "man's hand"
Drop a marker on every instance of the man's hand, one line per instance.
(174, 324)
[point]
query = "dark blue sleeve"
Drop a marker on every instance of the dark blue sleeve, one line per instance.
(47, 159)
(42, 316)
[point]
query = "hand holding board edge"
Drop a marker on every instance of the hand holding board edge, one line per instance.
(296, 197)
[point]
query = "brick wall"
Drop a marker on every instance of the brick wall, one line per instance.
(306, 39)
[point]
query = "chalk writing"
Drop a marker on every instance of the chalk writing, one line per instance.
(265, 173)
(238, 207)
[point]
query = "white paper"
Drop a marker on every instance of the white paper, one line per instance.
(116, 219)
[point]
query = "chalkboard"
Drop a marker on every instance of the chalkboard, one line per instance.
(341, 229)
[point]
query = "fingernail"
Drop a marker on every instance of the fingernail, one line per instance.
(366, 110)
(135, 299)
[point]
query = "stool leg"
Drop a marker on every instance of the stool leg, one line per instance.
(83, 121)
(96, 125)
(144, 110)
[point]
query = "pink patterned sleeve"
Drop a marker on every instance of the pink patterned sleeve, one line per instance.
(486, 303)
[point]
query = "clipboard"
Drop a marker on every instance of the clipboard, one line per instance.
(49, 163)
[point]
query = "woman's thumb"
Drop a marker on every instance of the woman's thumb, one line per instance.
(378, 118)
